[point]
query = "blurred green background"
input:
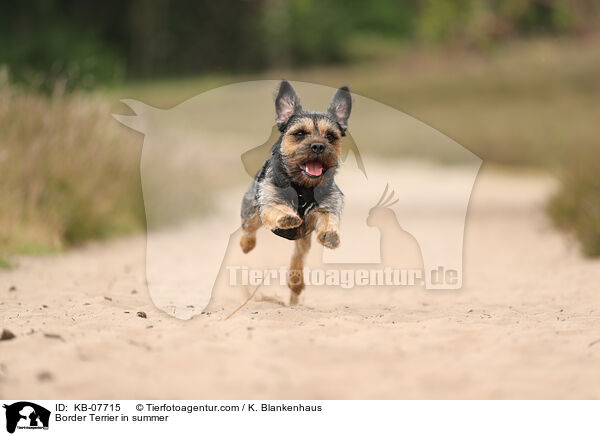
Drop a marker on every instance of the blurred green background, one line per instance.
(515, 81)
(90, 42)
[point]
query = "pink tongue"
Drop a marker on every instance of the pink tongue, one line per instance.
(314, 168)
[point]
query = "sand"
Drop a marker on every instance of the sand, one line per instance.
(526, 324)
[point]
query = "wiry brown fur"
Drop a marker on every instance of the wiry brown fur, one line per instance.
(297, 151)
(284, 197)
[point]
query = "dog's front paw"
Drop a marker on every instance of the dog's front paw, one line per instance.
(329, 239)
(289, 222)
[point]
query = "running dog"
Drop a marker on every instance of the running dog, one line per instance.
(294, 192)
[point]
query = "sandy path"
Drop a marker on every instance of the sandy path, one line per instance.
(523, 326)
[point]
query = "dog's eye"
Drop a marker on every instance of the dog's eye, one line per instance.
(300, 134)
(330, 137)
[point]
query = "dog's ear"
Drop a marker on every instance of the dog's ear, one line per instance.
(341, 106)
(287, 103)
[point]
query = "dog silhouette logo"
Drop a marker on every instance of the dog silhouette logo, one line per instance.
(199, 157)
(26, 415)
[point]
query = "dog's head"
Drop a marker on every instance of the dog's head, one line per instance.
(311, 142)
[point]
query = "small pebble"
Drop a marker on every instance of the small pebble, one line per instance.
(7, 335)
(45, 376)
(142, 315)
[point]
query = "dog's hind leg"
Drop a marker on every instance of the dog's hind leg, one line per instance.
(296, 275)
(250, 225)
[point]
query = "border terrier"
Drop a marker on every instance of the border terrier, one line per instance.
(294, 192)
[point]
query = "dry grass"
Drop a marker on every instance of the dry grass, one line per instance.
(525, 103)
(69, 172)
(576, 206)
(529, 103)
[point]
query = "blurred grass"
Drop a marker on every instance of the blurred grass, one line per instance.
(69, 174)
(575, 207)
(525, 103)
(532, 103)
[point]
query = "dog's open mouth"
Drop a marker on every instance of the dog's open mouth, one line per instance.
(312, 168)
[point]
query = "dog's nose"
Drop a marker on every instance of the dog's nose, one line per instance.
(317, 147)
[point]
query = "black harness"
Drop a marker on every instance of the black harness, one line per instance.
(302, 204)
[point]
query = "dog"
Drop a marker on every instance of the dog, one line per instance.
(294, 192)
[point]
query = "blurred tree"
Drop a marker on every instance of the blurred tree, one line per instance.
(41, 44)
(85, 42)
(475, 22)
